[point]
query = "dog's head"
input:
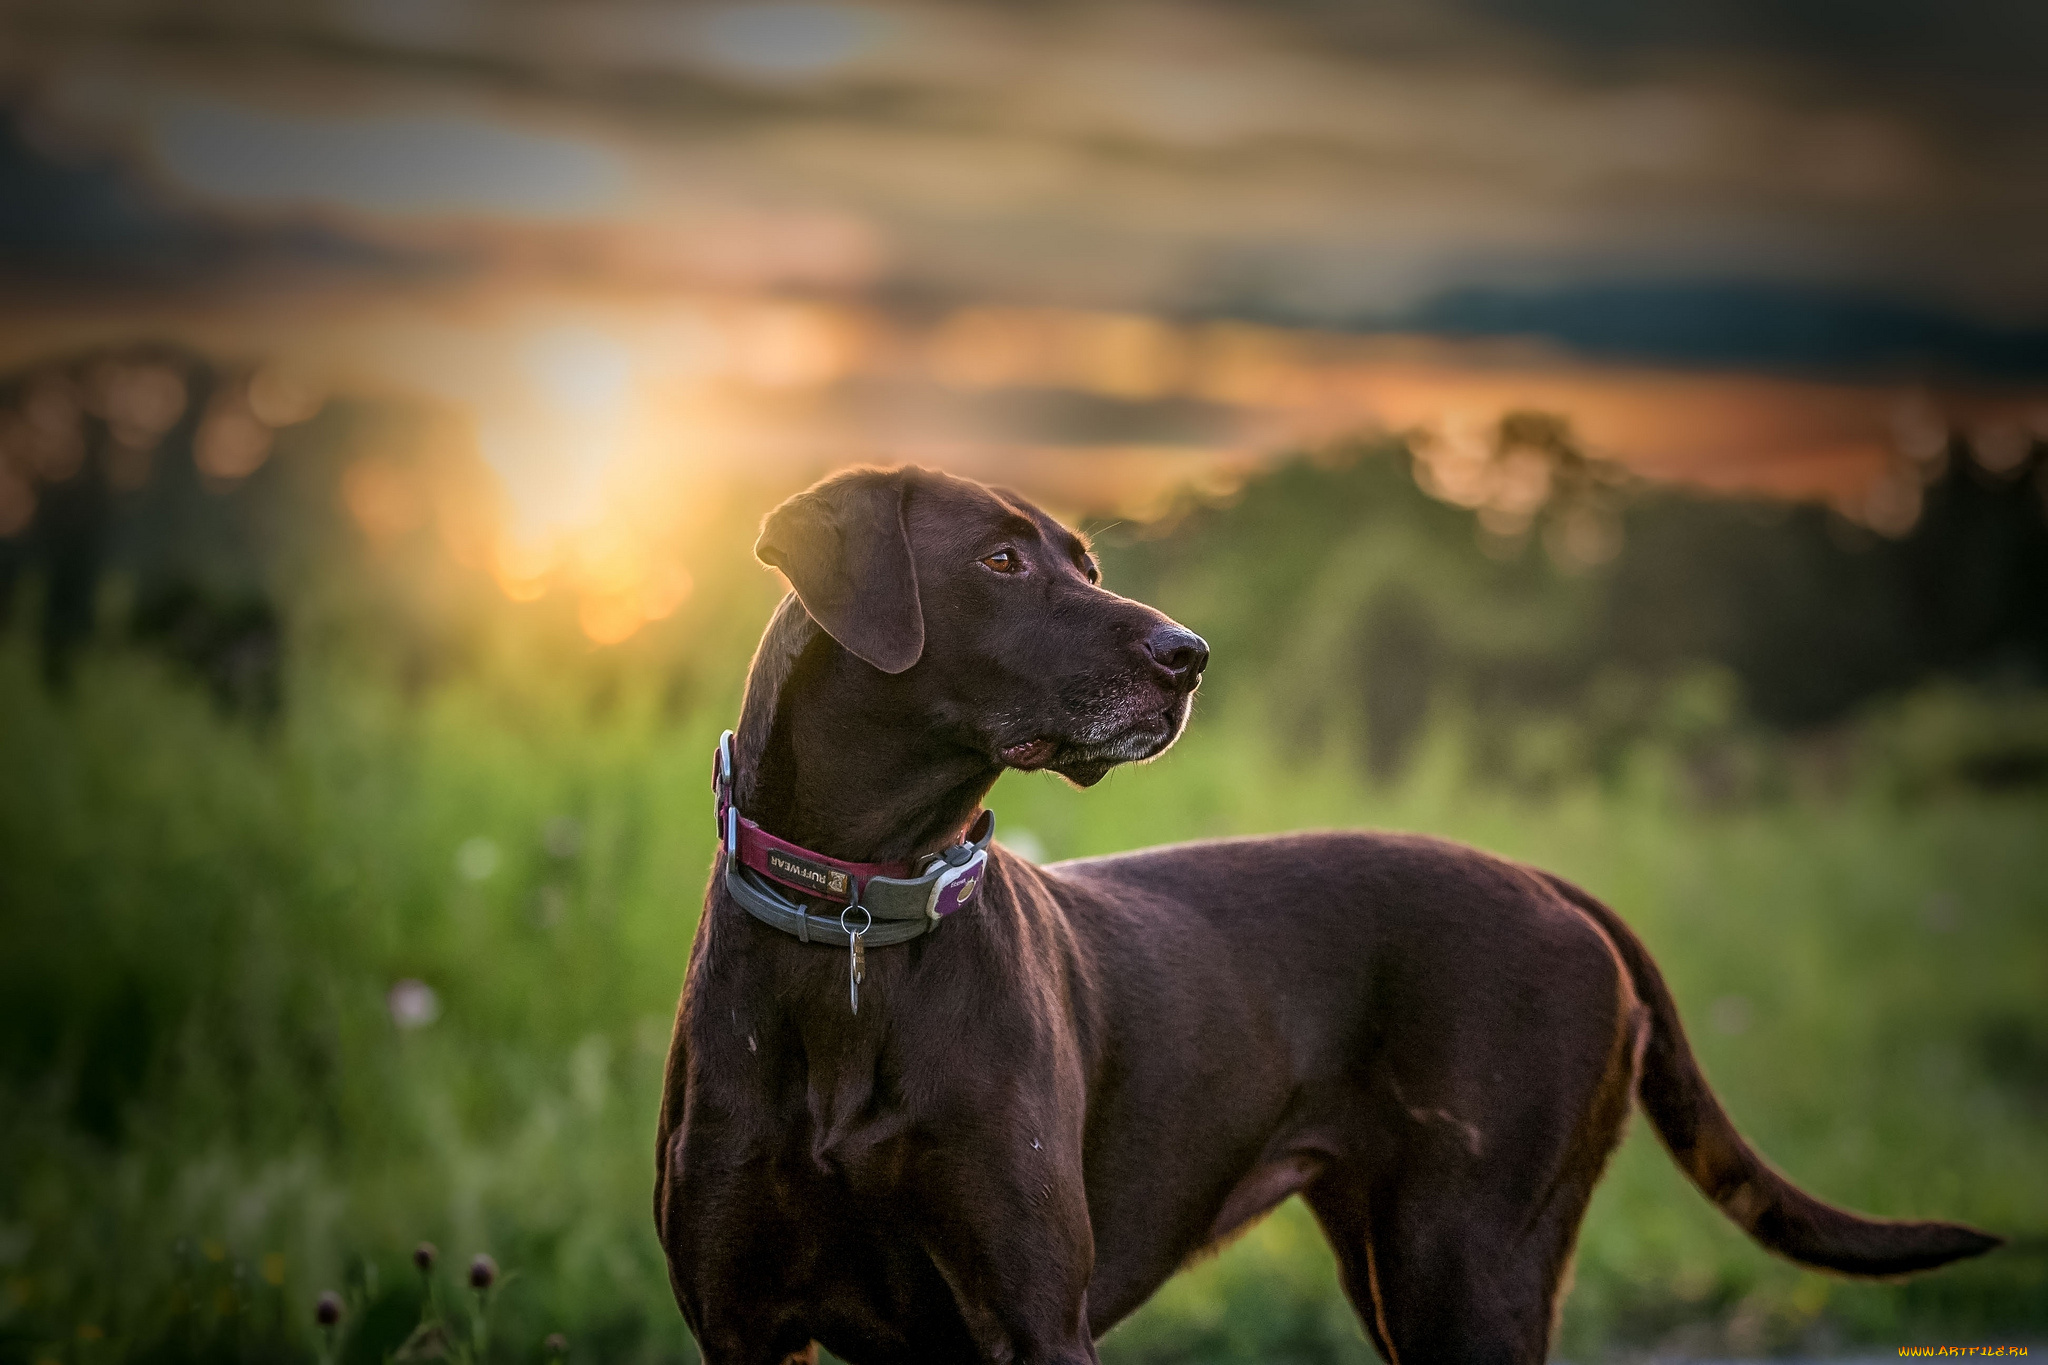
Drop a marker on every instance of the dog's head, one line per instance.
(994, 616)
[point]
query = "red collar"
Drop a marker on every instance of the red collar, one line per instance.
(778, 859)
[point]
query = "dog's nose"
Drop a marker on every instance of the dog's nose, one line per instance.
(1180, 652)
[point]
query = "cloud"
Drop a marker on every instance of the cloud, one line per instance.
(1295, 158)
(1673, 188)
(419, 164)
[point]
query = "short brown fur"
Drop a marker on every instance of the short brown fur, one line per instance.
(1102, 1067)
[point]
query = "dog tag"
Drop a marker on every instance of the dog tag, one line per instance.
(857, 964)
(858, 969)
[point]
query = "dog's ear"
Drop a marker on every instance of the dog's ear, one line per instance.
(845, 549)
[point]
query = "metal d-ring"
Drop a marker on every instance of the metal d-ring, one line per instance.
(855, 933)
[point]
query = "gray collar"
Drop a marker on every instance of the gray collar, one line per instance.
(881, 910)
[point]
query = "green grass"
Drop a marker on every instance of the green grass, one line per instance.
(210, 1116)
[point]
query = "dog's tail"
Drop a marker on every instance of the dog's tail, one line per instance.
(1703, 1141)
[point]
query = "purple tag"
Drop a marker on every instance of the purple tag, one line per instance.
(958, 885)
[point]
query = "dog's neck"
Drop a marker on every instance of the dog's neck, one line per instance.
(847, 768)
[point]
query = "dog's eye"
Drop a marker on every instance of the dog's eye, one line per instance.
(1003, 561)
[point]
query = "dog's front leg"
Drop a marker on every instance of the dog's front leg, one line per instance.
(1013, 1242)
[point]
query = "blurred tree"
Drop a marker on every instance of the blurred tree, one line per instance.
(1379, 596)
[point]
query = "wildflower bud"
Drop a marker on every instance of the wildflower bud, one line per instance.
(556, 1344)
(483, 1272)
(424, 1255)
(327, 1310)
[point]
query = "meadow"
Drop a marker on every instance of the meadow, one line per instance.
(282, 998)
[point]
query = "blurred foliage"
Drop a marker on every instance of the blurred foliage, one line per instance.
(205, 1078)
(345, 905)
(1369, 604)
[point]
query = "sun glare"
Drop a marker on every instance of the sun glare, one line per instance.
(598, 418)
(570, 424)
(582, 371)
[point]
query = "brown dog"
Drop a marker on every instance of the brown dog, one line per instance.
(1098, 1069)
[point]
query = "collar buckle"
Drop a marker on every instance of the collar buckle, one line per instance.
(726, 813)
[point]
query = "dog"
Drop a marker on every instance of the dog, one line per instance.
(988, 1125)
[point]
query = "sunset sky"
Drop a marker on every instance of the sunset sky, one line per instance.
(1096, 248)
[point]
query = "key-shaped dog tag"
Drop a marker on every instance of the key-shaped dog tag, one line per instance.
(857, 965)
